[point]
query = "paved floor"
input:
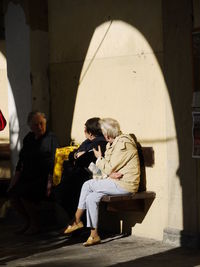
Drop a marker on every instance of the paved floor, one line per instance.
(54, 249)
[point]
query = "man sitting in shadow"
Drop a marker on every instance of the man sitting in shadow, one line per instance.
(75, 170)
(36, 160)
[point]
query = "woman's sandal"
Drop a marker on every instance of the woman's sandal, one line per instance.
(74, 227)
(92, 241)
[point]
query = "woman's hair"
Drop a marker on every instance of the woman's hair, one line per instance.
(93, 126)
(32, 114)
(110, 127)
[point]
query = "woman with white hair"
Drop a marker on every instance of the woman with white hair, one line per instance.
(120, 169)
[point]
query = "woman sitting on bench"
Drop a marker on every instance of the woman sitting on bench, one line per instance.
(75, 170)
(120, 169)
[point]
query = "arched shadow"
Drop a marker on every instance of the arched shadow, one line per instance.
(176, 40)
(102, 12)
(109, 10)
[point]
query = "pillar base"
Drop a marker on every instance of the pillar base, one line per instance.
(181, 238)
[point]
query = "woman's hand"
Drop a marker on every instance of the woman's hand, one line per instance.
(116, 175)
(78, 154)
(97, 153)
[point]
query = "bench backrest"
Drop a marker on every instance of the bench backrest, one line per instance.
(146, 156)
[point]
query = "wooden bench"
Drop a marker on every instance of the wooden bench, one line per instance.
(140, 200)
(133, 202)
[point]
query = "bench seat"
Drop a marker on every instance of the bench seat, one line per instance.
(138, 195)
(140, 201)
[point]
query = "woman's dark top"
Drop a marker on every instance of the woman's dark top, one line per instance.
(36, 162)
(75, 173)
(87, 146)
(90, 144)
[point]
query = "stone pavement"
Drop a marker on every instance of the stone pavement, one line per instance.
(54, 249)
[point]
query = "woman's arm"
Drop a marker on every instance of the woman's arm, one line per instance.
(121, 154)
(116, 175)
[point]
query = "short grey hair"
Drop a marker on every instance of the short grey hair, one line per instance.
(110, 127)
(32, 114)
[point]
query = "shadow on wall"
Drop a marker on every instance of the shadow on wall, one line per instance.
(69, 63)
(176, 43)
(18, 72)
(177, 71)
(121, 217)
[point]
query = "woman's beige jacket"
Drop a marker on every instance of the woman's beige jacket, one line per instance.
(122, 156)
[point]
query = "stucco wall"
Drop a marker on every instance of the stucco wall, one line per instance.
(39, 70)
(18, 70)
(106, 61)
(182, 174)
(130, 60)
(37, 17)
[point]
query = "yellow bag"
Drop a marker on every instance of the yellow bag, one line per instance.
(62, 154)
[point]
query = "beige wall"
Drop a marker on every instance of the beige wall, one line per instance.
(182, 174)
(17, 34)
(124, 81)
(130, 60)
(37, 17)
(114, 71)
(39, 70)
